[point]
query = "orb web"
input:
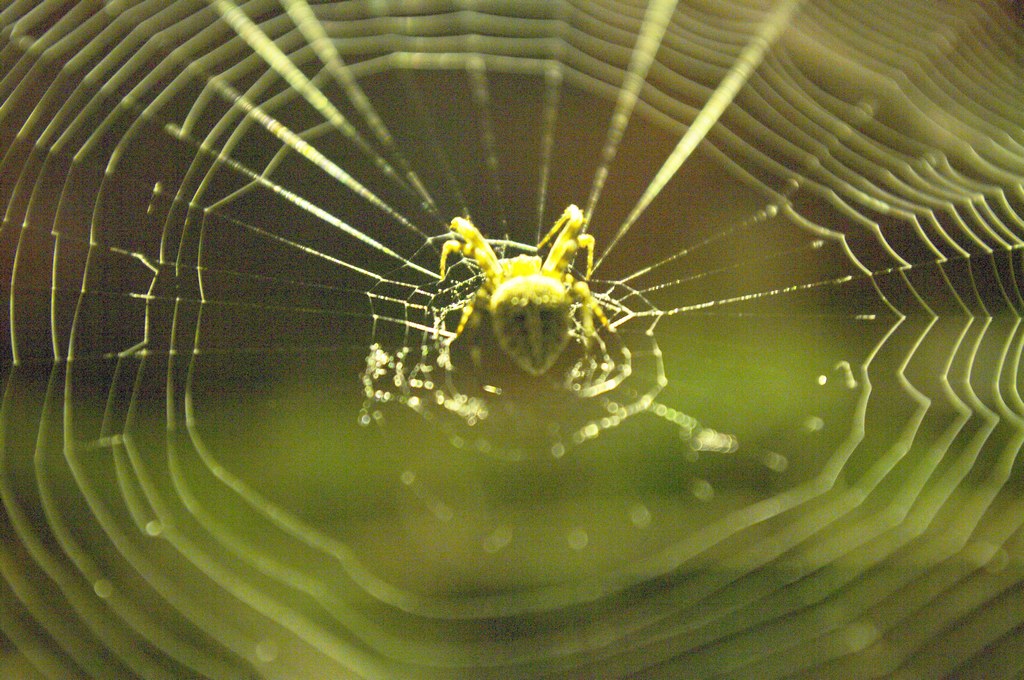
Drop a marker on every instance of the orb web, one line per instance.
(220, 216)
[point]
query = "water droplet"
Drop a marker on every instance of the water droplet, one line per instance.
(859, 635)
(577, 539)
(103, 588)
(266, 651)
(775, 461)
(814, 424)
(498, 539)
(640, 516)
(702, 489)
(442, 511)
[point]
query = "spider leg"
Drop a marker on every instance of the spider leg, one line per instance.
(590, 309)
(586, 241)
(564, 248)
(450, 247)
(467, 311)
(570, 213)
(474, 245)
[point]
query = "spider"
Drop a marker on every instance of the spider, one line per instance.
(530, 301)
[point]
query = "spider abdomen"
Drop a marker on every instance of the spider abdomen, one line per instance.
(531, 318)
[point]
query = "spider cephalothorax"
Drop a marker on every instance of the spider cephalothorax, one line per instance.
(531, 300)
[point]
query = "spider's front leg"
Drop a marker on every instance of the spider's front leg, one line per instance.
(586, 242)
(567, 242)
(473, 245)
(450, 247)
(571, 216)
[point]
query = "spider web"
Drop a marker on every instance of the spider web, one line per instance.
(239, 438)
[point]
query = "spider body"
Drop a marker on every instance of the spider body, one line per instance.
(530, 300)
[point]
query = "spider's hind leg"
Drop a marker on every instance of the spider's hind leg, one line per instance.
(480, 298)
(589, 309)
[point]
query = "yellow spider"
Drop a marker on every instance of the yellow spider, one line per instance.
(530, 300)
